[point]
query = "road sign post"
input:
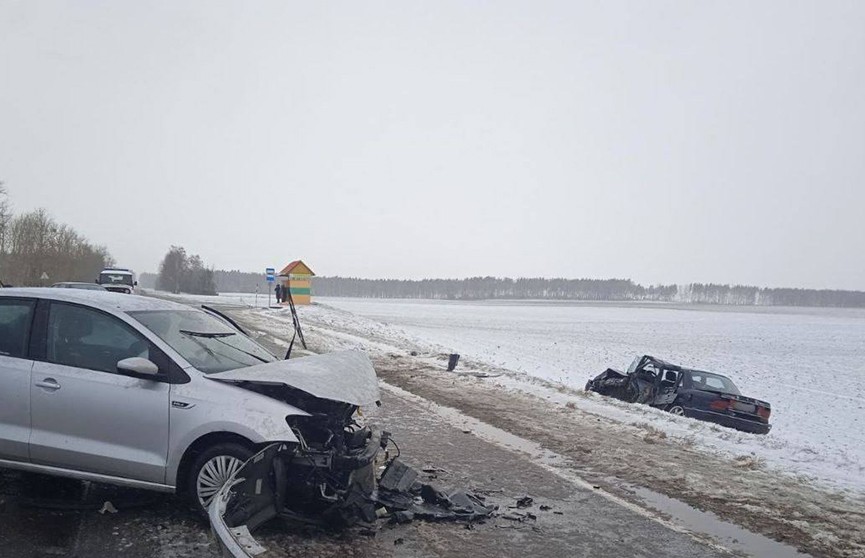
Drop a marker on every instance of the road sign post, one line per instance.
(269, 274)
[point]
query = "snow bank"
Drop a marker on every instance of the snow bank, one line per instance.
(807, 362)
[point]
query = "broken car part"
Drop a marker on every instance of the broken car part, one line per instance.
(453, 359)
(303, 486)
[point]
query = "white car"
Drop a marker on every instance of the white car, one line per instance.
(118, 280)
(151, 394)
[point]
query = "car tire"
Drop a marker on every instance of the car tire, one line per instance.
(676, 409)
(211, 469)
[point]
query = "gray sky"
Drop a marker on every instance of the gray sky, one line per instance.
(663, 141)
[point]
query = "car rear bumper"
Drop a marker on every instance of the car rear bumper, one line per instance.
(729, 421)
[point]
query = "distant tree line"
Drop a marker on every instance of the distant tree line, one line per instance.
(699, 293)
(224, 281)
(182, 273)
(482, 288)
(34, 243)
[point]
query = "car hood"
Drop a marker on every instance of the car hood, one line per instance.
(345, 376)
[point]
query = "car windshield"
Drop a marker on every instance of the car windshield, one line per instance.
(115, 278)
(205, 342)
(707, 381)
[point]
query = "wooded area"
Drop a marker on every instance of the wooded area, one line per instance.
(481, 288)
(34, 243)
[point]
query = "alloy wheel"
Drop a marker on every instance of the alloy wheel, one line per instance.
(677, 410)
(213, 475)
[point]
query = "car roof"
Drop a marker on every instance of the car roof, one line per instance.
(104, 300)
(668, 366)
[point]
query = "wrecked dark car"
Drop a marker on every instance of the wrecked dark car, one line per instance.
(685, 392)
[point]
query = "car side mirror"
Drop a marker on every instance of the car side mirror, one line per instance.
(138, 367)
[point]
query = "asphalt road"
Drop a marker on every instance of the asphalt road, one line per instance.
(575, 521)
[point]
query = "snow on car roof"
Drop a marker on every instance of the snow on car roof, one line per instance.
(99, 299)
(117, 271)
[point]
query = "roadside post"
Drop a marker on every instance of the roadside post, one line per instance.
(269, 275)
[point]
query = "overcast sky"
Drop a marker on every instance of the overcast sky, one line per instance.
(662, 141)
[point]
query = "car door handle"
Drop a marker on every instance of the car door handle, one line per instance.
(49, 384)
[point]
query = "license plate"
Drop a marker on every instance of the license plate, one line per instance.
(745, 407)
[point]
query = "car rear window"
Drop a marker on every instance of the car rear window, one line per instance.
(713, 382)
(15, 318)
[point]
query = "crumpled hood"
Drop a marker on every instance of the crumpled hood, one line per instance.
(345, 376)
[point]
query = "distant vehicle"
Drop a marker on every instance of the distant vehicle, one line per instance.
(685, 392)
(76, 285)
(118, 280)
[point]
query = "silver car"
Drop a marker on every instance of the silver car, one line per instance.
(150, 394)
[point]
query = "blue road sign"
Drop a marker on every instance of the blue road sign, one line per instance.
(269, 272)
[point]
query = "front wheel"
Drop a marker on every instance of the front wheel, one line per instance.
(212, 469)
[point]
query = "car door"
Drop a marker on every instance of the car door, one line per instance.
(16, 317)
(646, 377)
(668, 388)
(86, 416)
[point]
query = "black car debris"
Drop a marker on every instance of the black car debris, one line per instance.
(684, 391)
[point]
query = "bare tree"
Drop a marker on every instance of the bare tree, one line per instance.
(180, 272)
(35, 244)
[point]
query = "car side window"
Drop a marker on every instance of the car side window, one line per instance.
(714, 383)
(15, 319)
(86, 338)
(670, 377)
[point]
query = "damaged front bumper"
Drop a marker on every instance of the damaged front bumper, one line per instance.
(283, 481)
(295, 482)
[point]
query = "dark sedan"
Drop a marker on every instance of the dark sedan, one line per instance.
(686, 392)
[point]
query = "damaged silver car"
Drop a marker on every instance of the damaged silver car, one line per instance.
(150, 394)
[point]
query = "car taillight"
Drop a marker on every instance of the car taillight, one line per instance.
(720, 404)
(764, 412)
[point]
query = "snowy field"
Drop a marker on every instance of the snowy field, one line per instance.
(809, 363)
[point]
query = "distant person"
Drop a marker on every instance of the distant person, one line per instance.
(278, 290)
